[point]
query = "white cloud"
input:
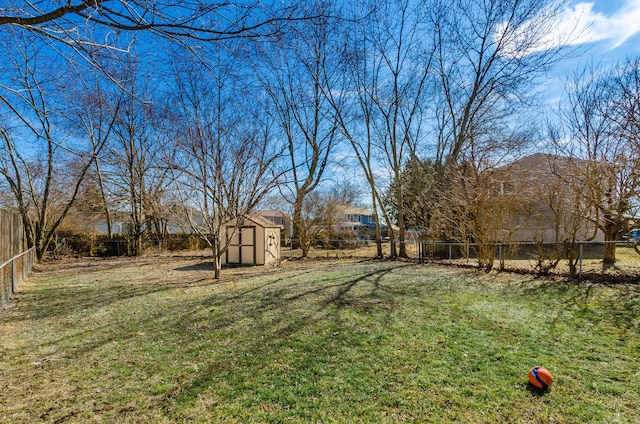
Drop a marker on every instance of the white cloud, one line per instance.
(589, 26)
(577, 25)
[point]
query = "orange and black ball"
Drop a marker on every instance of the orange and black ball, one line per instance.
(540, 377)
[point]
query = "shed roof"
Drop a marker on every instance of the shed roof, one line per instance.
(261, 221)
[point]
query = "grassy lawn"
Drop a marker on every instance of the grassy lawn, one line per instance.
(158, 340)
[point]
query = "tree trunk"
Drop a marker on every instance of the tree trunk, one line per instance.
(299, 229)
(400, 211)
(377, 221)
(217, 266)
(216, 255)
(105, 203)
(138, 242)
(403, 244)
(400, 201)
(393, 252)
(609, 259)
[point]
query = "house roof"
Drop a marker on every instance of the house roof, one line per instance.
(546, 162)
(354, 210)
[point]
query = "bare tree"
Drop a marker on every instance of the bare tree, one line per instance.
(387, 63)
(485, 207)
(70, 22)
(38, 169)
(80, 29)
(489, 54)
(354, 113)
(92, 109)
(601, 126)
(224, 166)
(297, 74)
(135, 160)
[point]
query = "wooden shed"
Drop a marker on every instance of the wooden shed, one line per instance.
(255, 241)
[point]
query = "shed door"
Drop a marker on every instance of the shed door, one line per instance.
(242, 246)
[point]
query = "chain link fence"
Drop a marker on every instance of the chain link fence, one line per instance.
(576, 259)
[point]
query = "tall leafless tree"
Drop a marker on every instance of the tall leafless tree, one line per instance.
(601, 122)
(382, 107)
(296, 73)
(225, 161)
(135, 163)
(37, 154)
(489, 54)
(92, 109)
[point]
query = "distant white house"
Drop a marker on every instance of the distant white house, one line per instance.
(122, 228)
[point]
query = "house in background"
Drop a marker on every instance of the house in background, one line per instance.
(280, 218)
(117, 227)
(360, 223)
(120, 228)
(351, 217)
(545, 205)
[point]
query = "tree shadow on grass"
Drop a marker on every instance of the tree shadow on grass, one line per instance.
(618, 304)
(208, 266)
(86, 284)
(252, 331)
(64, 300)
(295, 316)
(202, 266)
(81, 285)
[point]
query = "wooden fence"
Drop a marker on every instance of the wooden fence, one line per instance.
(12, 240)
(16, 260)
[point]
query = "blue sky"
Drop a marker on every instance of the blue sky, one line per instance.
(603, 33)
(613, 24)
(604, 30)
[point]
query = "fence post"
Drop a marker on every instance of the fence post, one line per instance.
(500, 256)
(13, 277)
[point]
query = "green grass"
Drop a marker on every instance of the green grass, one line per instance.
(158, 340)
